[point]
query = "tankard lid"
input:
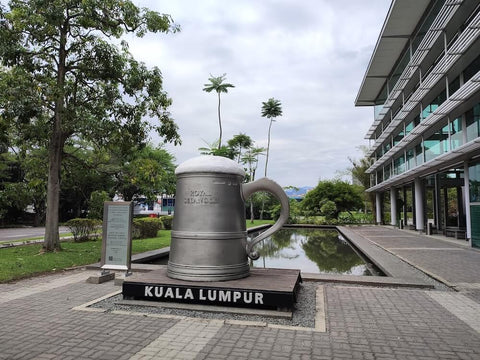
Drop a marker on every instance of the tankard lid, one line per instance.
(210, 164)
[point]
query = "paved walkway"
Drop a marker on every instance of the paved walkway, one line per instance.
(41, 318)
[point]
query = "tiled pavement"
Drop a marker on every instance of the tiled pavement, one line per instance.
(38, 319)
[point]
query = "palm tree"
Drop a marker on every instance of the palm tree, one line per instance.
(216, 83)
(270, 109)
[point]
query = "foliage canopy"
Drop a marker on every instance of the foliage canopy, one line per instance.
(65, 77)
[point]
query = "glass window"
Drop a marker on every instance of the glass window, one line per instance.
(409, 127)
(474, 181)
(454, 86)
(386, 147)
(471, 69)
(397, 138)
(473, 122)
(399, 165)
(410, 159)
(379, 176)
(416, 120)
(387, 171)
(434, 104)
(437, 144)
(418, 154)
(456, 133)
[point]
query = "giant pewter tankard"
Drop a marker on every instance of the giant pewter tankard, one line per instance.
(209, 237)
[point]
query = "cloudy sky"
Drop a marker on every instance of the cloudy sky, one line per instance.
(311, 55)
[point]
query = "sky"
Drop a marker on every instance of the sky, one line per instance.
(311, 55)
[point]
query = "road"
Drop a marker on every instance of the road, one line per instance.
(17, 234)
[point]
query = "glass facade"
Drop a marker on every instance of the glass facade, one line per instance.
(418, 154)
(430, 108)
(471, 69)
(456, 133)
(397, 138)
(399, 165)
(473, 123)
(474, 182)
(410, 159)
(451, 133)
(454, 86)
(437, 144)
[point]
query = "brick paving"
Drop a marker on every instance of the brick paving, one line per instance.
(38, 319)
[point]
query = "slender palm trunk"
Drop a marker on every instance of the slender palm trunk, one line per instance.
(219, 123)
(268, 146)
(266, 166)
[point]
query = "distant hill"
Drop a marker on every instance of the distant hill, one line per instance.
(298, 194)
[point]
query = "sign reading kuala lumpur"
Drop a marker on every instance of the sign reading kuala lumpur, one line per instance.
(203, 295)
(214, 293)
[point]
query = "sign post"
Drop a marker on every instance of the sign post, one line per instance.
(117, 236)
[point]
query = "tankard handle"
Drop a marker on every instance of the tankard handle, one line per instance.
(265, 184)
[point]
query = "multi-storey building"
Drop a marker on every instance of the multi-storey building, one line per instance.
(423, 81)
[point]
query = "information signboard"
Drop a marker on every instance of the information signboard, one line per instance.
(117, 235)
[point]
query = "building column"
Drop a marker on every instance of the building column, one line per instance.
(466, 177)
(393, 206)
(379, 205)
(419, 211)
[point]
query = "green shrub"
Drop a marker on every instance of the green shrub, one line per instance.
(144, 228)
(83, 229)
(167, 222)
(95, 204)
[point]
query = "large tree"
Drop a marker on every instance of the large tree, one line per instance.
(342, 195)
(148, 172)
(63, 78)
(217, 84)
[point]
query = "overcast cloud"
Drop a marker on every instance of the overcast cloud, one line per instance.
(310, 55)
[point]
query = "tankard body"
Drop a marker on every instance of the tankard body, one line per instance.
(209, 238)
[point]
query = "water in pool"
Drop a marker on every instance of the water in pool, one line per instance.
(322, 251)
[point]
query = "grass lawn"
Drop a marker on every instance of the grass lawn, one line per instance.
(26, 260)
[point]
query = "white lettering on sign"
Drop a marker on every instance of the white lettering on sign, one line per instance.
(203, 295)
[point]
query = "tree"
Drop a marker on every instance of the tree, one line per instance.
(62, 79)
(250, 158)
(148, 172)
(238, 143)
(359, 172)
(345, 197)
(214, 149)
(270, 109)
(217, 84)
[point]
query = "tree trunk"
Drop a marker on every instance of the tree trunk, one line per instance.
(252, 217)
(55, 151)
(219, 123)
(266, 166)
(52, 239)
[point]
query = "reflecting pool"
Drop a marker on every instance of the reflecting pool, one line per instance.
(322, 251)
